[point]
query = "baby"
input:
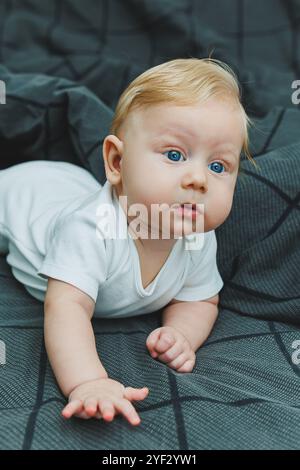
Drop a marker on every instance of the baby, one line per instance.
(173, 151)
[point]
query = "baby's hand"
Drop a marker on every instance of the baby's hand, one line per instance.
(170, 346)
(103, 398)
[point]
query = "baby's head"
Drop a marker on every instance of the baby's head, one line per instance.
(176, 137)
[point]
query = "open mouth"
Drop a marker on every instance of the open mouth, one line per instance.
(188, 206)
(188, 210)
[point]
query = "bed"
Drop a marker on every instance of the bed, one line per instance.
(64, 65)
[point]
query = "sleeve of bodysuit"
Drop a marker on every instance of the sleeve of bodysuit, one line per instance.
(76, 255)
(203, 279)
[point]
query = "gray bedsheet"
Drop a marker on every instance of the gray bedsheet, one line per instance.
(65, 64)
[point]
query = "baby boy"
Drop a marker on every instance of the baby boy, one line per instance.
(174, 151)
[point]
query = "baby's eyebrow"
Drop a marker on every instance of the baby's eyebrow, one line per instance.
(181, 132)
(226, 147)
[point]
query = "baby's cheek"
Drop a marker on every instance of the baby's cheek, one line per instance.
(216, 215)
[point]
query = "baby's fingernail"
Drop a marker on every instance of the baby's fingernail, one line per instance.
(108, 417)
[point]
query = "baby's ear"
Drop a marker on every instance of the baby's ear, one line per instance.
(113, 144)
(112, 154)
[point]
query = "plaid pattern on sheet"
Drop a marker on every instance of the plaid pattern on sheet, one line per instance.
(65, 63)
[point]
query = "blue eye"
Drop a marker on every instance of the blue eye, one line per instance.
(174, 156)
(217, 167)
(171, 154)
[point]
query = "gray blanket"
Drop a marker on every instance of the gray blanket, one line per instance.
(65, 64)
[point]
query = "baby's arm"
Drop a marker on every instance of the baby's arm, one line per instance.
(186, 325)
(71, 348)
(194, 319)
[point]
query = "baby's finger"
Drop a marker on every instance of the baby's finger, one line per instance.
(124, 407)
(83, 415)
(107, 410)
(74, 407)
(152, 339)
(178, 361)
(136, 394)
(171, 353)
(165, 342)
(188, 366)
(90, 406)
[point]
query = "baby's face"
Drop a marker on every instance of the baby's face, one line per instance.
(177, 154)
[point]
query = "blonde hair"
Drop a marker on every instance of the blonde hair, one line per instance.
(184, 82)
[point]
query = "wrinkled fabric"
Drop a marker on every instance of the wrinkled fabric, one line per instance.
(65, 65)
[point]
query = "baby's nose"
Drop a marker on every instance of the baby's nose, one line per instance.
(196, 177)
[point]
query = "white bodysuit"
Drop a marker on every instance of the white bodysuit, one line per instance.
(51, 225)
